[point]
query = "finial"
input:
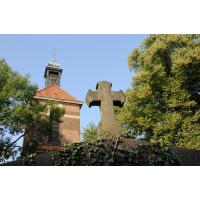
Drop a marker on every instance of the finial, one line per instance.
(53, 63)
(54, 52)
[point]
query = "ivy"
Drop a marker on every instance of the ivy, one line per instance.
(116, 152)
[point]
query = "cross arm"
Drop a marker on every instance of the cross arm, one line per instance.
(118, 98)
(93, 98)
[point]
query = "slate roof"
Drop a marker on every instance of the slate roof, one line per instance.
(56, 93)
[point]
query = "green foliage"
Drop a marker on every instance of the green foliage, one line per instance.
(19, 111)
(29, 159)
(9, 153)
(90, 133)
(16, 94)
(16, 91)
(118, 152)
(164, 101)
(43, 126)
(56, 112)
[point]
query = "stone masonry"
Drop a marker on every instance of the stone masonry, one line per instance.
(106, 99)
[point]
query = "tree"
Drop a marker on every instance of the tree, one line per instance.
(90, 132)
(19, 110)
(15, 95)
(164, 100)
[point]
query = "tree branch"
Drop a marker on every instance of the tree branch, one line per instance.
(14, 141)
(115, 147)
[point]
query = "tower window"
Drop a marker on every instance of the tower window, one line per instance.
(53, 73)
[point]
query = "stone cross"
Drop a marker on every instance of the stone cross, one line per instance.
(106, 99)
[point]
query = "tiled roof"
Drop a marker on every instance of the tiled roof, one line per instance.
(55, 92)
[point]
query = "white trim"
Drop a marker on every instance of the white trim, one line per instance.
(59, 100)
(71, 116)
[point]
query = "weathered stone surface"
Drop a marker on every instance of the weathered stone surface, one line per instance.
(106, 99)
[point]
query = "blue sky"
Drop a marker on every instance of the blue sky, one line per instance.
(85, 59)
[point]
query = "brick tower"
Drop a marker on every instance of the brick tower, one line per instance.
(69, 128)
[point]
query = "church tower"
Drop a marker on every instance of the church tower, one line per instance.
(68, 131)
(52, 73)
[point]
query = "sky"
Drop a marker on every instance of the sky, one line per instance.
(30, 54)
(85, 59)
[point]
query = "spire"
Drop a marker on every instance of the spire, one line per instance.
(53, 63)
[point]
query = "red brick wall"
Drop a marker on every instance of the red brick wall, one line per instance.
(70, 127)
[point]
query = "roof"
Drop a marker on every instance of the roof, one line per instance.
(53, 64)
(54, 92)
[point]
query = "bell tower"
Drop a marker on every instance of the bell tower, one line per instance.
(68, 129)
(52, 73)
